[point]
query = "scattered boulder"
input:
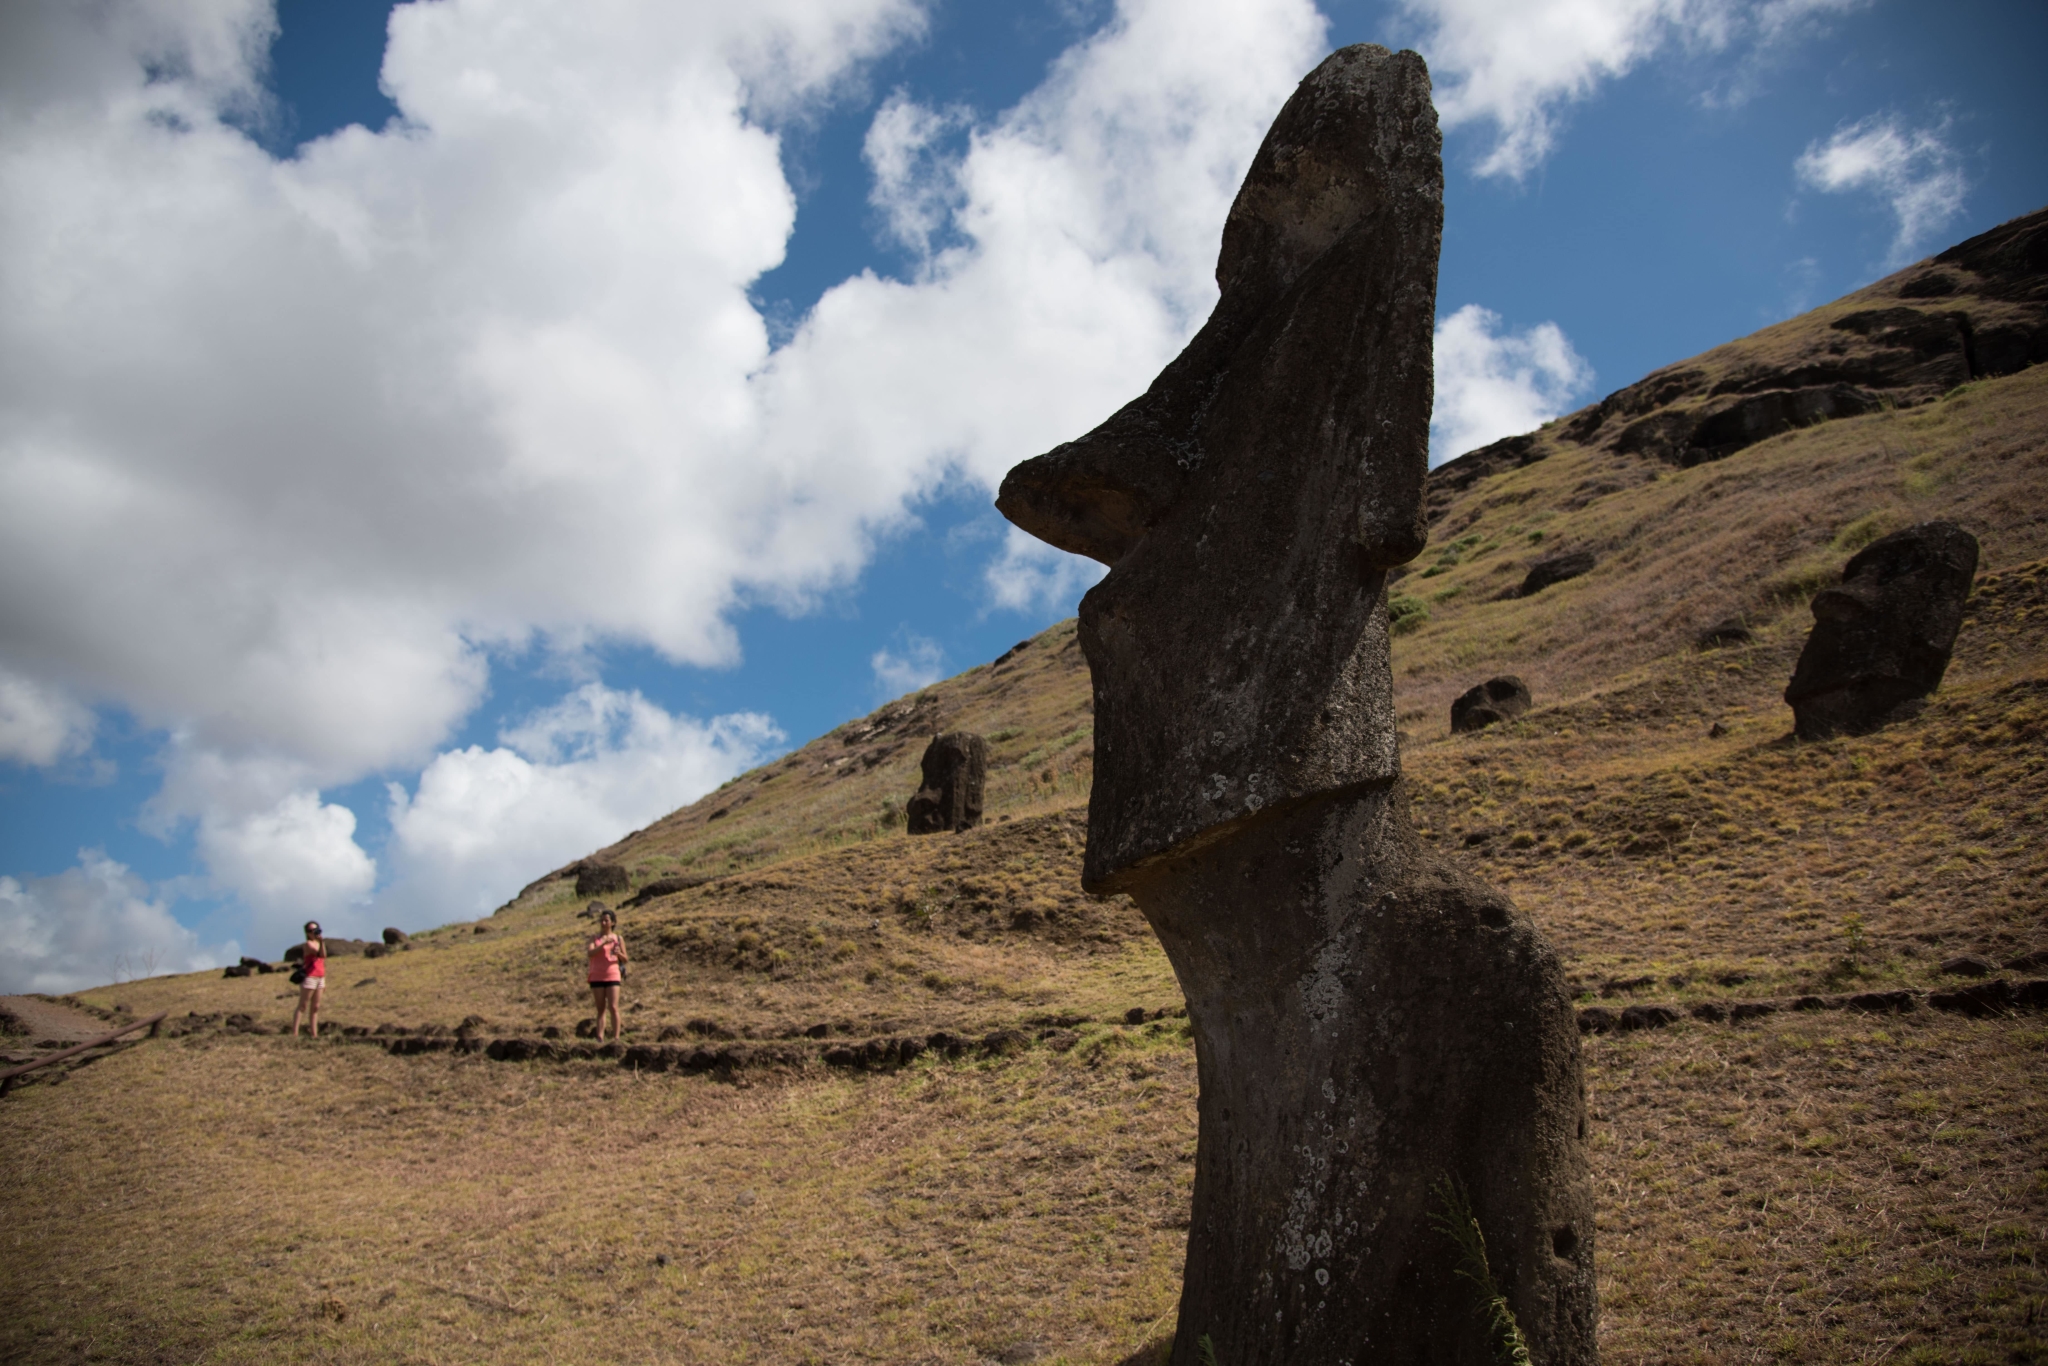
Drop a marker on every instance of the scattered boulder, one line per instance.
(1994, 997)
(1598, 1020)
(1882, 636)
(1724, 633)
(1495, 700)
(1555, 569)
(1968, 965)
(393, 935)
(258, 965)
(955, 769)
(601, 879)
(237, 970)
(661, 887)
(1648, 1017)
(1001, 1043)
(1884, 1001)
(2028, 961)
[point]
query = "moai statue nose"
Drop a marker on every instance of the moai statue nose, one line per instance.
(1247, 784)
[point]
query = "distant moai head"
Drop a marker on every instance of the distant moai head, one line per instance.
(1251, 501)
(954, 771)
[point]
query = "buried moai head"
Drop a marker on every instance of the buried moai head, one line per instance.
(1882, 636)
(954, 771)
(1251, 501)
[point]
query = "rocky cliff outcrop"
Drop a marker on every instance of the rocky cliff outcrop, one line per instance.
(1976, 311)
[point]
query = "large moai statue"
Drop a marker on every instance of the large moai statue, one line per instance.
(1375, 1030)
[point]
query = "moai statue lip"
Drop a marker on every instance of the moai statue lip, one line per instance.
(1368, 1021)
(1251, 500)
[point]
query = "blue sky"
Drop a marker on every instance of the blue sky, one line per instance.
(435, 443)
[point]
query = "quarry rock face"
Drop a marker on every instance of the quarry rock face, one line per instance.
(1881, 638)
(1485, 704)
(955, 769)
(1977, 311)
(1373, 1028)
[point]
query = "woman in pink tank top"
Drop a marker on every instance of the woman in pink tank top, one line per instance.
(607, 971)
(313, 958)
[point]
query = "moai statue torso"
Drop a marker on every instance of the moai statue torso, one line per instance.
(1368, 1022)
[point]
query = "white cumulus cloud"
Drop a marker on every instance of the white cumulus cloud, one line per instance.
(1492, 383)
(288, 448)
(1029, 576)
(40, 725)
(573, 778)
(91, 924)
(1913, 170)
(918, 662)
(1518, 64)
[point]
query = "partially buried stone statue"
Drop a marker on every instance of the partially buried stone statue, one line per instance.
(953, 774)
(1882, 636)
(1375, 1030)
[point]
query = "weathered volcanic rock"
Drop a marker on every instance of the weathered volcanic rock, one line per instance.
(661, 887)
(1495, 700)
(1724, 633)
(955, 770)
(1368, 1023)
(1882, 636)
(394, 935)
(601, 879)
(1555, 569)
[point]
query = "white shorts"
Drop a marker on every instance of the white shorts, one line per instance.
(313, 984)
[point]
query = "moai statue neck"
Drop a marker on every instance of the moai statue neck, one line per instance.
(1368, 1022)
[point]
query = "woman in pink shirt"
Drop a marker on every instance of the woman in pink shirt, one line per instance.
(607, 971)
(312, 958)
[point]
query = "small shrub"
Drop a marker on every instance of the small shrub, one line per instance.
(1405, 614)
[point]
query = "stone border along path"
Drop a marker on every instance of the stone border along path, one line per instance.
(1998, 996)
(1995, 997)
(871, 1055)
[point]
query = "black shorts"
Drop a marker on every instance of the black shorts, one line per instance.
(604, 984)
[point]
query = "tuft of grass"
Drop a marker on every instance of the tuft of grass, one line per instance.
(1406, 614)
(1453, 1218)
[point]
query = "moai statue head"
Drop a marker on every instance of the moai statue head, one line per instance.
(1251, 501)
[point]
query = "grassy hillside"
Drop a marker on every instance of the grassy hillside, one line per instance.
(1806, 1185)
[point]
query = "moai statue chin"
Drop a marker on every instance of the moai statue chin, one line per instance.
(1369, 1023)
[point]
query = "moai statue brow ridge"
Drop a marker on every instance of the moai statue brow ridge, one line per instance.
(1376, 1031)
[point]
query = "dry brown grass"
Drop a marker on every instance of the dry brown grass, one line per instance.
(1813, 1189)
(229, 1200)
(1822, 1189)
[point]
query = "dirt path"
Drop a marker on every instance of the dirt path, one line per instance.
(41, 1020)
